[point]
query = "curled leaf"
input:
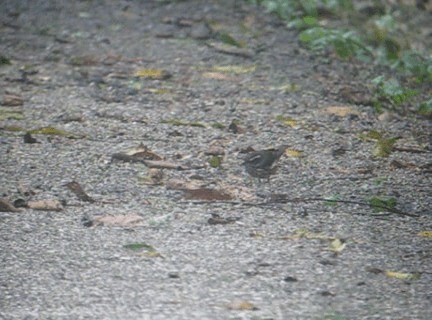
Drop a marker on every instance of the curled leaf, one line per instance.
(402, 275)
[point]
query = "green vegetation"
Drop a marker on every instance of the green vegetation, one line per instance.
(215, 161)
(4, 60)
(369, 33)
(380, 203)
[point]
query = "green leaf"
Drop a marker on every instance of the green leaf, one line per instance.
(310, 21)
(228, 39)
(384, 147)
(215, 161)
(331, 201)
(139, 247)
(379, 203)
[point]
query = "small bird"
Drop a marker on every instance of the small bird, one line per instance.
(262, 164)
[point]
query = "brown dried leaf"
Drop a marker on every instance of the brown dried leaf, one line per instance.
(206, 194)
(12, 100)
(6, 206)
(124, 220)
(241, 305)
(178, 184)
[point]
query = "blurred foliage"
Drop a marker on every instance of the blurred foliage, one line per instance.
(375, 33)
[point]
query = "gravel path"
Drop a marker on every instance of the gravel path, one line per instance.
(91, 68)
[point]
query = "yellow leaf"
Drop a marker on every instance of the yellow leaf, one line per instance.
(402, 276)
(337, 245)
(54, 131)
(289, 121)
(152, 74)
(425, 234)
(234, 69)
(293, 153)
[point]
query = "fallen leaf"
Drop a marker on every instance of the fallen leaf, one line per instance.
(425, 234)
(138, 154)
(337, 245)
(384, 147)
(341, 111)
(402, 275)
(241, 305)
(177, 184)
(6, 206)
(12, 100)
(155, 74)
(294, 153)
(45, 205)
(54, 131)
(206, 194)
(234, 69)
(215, 161)
(289, 121)
(143, 249)
(380, 203)
(229, 40)
(123, 220)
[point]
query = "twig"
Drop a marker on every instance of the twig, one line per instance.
(389, 209)
(267, 203)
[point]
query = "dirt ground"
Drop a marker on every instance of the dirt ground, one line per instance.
(156, 113)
